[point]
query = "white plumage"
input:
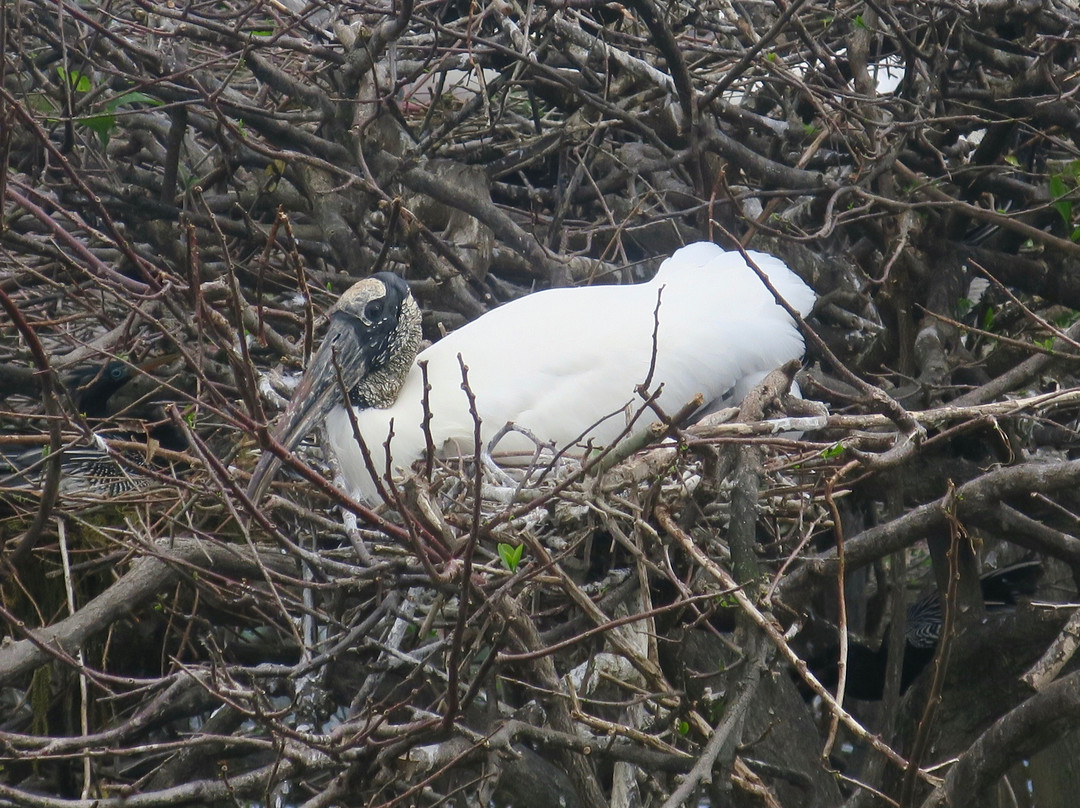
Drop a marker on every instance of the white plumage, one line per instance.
(559, 361)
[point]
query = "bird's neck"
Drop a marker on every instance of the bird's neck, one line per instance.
(378, 389)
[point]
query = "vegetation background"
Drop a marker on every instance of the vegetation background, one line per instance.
(187, 186)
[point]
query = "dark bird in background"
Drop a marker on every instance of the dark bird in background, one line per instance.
(91, 388)
(1001, 590)
(94, 386)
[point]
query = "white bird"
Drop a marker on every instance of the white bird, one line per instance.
(562, 363)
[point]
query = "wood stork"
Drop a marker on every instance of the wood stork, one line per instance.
(560, 363)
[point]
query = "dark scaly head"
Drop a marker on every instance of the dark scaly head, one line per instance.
(372, 341)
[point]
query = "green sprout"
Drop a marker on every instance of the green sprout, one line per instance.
(511, 555)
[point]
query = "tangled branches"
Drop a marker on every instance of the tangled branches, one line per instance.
(186, 188)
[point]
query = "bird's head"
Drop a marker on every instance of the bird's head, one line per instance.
(375, 335)
(92, 385)
(372, 341)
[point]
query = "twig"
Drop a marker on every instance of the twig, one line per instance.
(773, 632)
(1055, 657)
(734, 712)
(941, 658)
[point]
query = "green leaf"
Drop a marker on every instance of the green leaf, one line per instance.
(1046, 344)
(78, 82)
(684, 727)
(835, 450)
(102, 125)
(1012, 160)
(511, 555)
(988, 319)
(1075, 236)
(860, 22)
(963, 306)
(127, 99)
(1066, 318)
(1058, 189)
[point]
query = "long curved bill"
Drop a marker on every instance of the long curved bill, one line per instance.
(319, 391)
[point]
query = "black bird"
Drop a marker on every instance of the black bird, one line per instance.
(83, 471)
(91, 469)
(867, 666)
(93, 386)
(90, 386)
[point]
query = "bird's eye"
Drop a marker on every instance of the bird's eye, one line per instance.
(373, 311)
(117, 372)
